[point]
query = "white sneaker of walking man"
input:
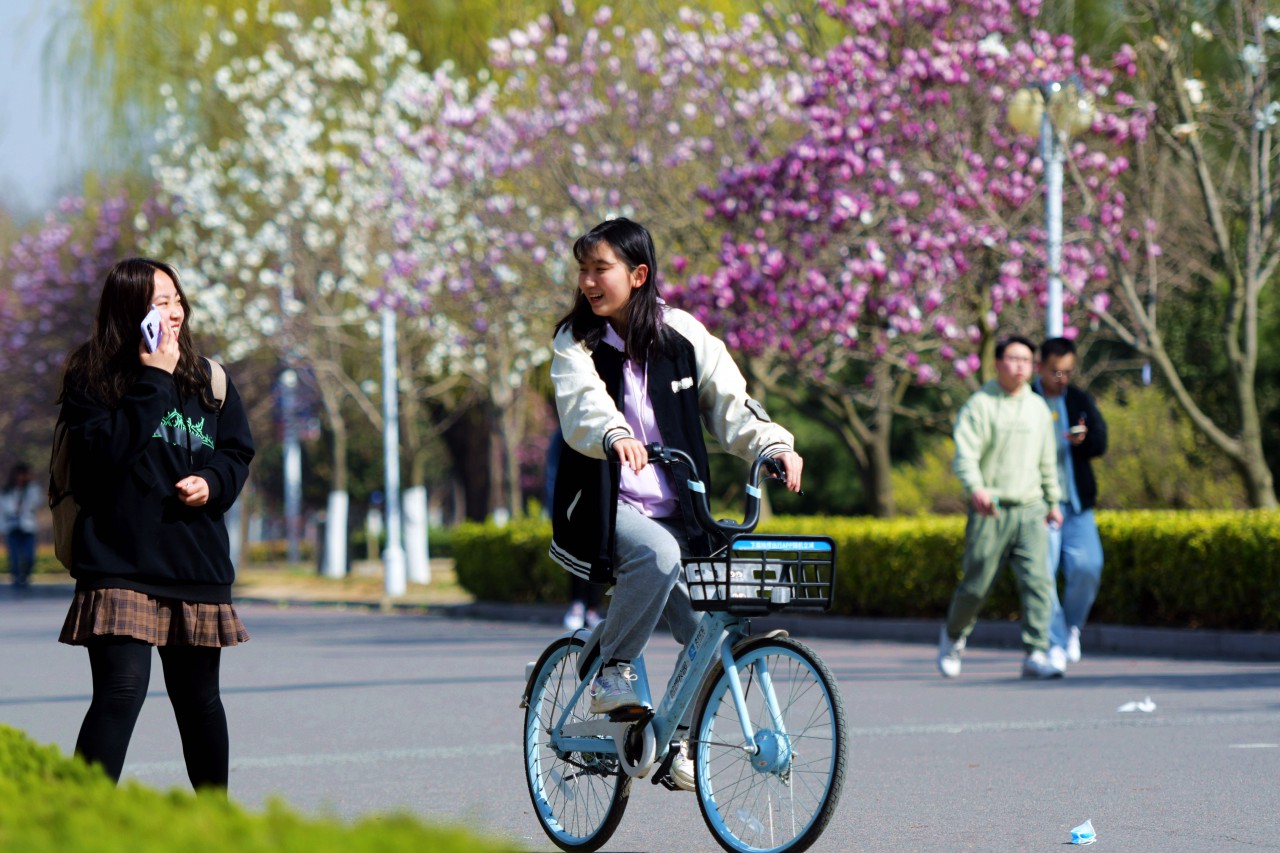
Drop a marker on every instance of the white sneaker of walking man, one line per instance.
(949, 654)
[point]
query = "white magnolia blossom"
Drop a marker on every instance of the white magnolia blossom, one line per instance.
(280, 222)
(1253, 56)
(1200, 31)
(993, 45)
(1267, 116)
(1195, 90)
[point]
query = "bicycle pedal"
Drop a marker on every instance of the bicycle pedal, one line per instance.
(631, 714)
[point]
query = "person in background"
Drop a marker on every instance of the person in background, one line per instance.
(1006, 461)
(1075, 549)
(18, 504)
(156, 462)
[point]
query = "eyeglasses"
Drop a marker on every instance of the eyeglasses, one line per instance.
(1061, 374)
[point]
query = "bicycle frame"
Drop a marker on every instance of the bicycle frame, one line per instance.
(713, 639)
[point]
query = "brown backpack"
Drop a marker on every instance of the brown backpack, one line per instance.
(62, 501)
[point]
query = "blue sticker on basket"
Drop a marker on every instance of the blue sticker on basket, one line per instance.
(787, 545)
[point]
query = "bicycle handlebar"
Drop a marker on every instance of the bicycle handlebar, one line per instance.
(701, 509)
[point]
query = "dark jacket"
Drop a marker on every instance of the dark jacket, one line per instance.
(133, 532)
(586, 492)
(1081, 405)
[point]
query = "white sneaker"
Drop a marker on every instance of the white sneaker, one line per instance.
(949, 654)
(575, 617)
(612, 689)
(1038, 665)
(1058, 658)
(682, 769)
(1073, 646)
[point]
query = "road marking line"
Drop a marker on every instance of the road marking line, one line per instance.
(321, 759)
(438, 753)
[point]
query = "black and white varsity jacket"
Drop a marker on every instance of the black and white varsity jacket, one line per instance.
(694, 382)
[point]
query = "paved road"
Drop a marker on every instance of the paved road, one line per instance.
(356, 714)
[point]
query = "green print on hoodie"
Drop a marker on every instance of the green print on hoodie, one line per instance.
(173, 424)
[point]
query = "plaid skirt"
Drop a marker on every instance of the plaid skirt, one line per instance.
(159, 621)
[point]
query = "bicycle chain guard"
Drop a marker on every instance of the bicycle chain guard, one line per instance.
(637, 747)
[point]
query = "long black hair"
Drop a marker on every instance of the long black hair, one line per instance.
(633, 245)
(107, 365)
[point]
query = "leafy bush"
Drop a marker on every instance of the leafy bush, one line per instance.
(1156, 459)
(929, 486)
(1186, 569)
(508, 562)
(49, 802)
(276, 550)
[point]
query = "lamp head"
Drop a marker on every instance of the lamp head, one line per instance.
(1026, 108)
(1071, 108)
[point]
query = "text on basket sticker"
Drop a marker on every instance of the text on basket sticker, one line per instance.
(789, 545)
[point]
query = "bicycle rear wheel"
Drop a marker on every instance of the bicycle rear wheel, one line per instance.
(578, 797)
(782, 797)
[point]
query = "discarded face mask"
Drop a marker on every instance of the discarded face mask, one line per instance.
(1146, 706)
(1084, 834)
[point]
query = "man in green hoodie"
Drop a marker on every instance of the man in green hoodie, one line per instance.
(1006, 460)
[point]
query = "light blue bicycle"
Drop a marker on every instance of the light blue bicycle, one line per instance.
(768, 734)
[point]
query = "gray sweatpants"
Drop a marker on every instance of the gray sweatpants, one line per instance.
(648, 584)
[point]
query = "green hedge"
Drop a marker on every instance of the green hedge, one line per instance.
(49, 802)
(1185, 569)
(508, 563)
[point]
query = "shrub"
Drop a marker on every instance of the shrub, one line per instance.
(929, 486)
(49, 802)
(1156, 459)
(1211, 569)
(508, 562)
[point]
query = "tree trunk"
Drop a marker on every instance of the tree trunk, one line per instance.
(498, 498)
(468, 440)
(512, 439)
(879, 474)
(1252, 464)
(335, 537)
(417, 548)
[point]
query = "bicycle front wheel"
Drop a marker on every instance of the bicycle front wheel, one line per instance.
(579, 797)
(782, 796)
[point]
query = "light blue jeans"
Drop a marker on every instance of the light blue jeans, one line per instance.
(1075, 550)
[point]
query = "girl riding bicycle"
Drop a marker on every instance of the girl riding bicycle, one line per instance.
(630, 370)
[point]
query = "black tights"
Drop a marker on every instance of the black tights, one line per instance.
(121, 672)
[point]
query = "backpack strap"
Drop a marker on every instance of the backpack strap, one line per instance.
(217, 379)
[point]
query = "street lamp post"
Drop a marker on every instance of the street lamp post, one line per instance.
(393, 557)
(1055, 110)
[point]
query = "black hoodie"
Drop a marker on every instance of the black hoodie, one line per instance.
(133, 532)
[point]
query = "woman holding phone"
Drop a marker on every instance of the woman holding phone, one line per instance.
(157, 457)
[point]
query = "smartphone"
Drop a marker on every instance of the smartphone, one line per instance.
(151, 325)
(1077, 429)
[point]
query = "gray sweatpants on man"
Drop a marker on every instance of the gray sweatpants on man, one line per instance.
(648, 583)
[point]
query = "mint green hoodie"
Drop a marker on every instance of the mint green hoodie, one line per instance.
(1005, 444)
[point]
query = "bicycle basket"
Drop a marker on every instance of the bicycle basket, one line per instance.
(757, 575)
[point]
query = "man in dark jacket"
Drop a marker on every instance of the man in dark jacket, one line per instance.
(1075, 548)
